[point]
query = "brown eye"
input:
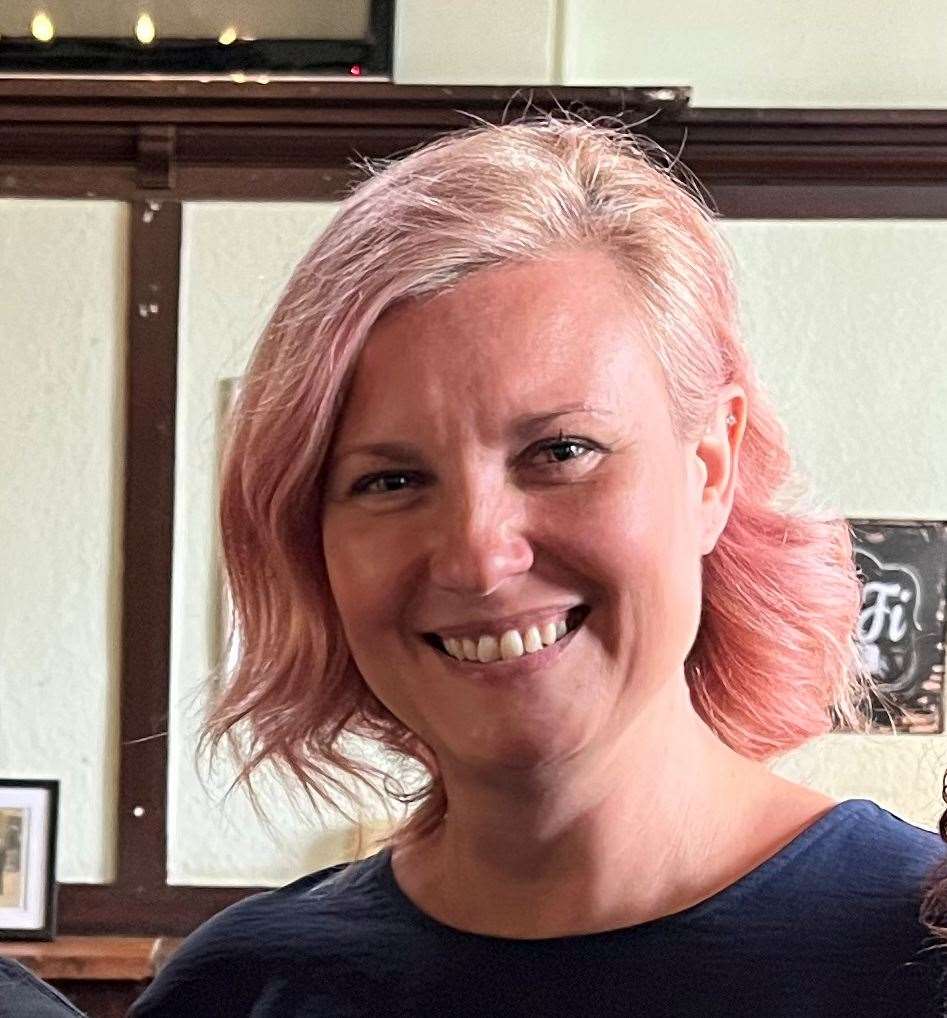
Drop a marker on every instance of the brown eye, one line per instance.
(367, 485)
(564, 450)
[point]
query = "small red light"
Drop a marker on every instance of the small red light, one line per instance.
(355, 69)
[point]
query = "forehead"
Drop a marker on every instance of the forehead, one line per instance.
(507, 340)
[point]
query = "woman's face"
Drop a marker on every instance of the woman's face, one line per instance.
(523, 465)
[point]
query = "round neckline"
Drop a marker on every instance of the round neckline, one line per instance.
(845, 810)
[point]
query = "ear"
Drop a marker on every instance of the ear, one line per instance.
(716, 455)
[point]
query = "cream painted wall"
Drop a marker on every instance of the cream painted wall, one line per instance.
(744, 53)
(485, 42)
(61, 461)
(732, 52)
(855, 309)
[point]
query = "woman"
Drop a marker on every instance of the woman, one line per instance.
(500, 496)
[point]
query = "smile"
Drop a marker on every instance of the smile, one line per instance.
(512, 645)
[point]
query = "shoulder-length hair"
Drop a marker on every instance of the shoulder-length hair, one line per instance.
(775, 660)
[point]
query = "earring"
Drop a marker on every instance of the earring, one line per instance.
(731, 420)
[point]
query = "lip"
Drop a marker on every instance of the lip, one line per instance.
(497, 627)
(505, 672)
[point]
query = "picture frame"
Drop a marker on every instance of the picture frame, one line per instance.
(125, 40)
(29, 815)
(226, 649)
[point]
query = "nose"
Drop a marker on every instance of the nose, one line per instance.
(477, 540)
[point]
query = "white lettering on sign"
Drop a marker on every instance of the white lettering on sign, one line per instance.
(887, 610)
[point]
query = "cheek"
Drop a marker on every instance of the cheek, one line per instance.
(640, 546)
(363, 600)
(358, 572)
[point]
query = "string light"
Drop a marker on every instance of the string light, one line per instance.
(228, 35)
(355, 70)
(145, 29)
(42, 27)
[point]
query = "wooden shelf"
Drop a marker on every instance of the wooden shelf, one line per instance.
(112, 958)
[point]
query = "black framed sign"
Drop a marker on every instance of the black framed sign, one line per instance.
(901, 631)
(179, 37)
(29, 813)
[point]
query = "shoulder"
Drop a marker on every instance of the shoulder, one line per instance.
(863, 862)
(226, 963)
(22, 993)
(855, 891)
(879, 848)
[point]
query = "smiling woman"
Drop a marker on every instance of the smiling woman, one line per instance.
(502, 494)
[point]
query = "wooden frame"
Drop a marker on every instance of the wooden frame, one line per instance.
(159, 143)
(184, 140)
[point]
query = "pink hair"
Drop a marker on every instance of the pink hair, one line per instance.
(775, 656)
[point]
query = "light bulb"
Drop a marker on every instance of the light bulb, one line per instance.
(42, 27)
(145, 29)
(228, 35)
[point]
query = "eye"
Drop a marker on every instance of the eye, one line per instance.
(560, 451)
(564, 450)
(369, 485)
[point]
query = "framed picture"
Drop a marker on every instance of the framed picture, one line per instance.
(226, 655)
(354, 38)
(28, 815)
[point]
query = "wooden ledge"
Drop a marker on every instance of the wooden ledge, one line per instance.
(114, 958)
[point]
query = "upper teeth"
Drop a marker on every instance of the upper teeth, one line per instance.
(511, 644)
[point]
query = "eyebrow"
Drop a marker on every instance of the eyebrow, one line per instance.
(522, 427)
(526, 424)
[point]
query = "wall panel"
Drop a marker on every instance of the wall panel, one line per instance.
(832, 53)
(62, 347)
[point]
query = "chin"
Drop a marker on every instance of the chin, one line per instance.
(497, 751)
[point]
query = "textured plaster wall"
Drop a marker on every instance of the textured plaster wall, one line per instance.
(485, 42)
(845, 322)
(742, 53)
(62, 349)
(732, 52)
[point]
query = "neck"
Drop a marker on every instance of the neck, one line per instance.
(603, 840)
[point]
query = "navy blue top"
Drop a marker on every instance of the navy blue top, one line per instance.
(827, 926)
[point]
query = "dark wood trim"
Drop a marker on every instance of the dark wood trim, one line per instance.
(94, 958)
(151, 374)
(103, 909)
(831, 201)
(290, 140)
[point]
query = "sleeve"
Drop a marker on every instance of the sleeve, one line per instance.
(214, 972)
(22, 994)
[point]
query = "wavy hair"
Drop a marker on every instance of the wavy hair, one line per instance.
(775, 661)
